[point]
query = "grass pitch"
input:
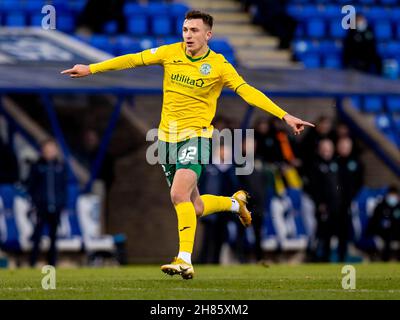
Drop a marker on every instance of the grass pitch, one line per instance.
(255, 282)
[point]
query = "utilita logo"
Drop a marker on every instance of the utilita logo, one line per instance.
(187, 80)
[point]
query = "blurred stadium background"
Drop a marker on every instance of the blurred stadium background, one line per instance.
(117, 203)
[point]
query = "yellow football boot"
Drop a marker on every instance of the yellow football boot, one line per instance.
(244, 214)
(179, 266)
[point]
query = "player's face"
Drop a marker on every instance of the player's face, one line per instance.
(196, 35)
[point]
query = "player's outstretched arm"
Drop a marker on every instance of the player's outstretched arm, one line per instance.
(118, 63)
(128, 61)
(78, 71)
(256, 98)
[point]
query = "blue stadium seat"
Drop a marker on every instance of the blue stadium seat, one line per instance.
(15, 19)
(133, 9)
(36, 20)
(34, 6)
(137, 25)
(126, 45)
(332, 11)
(301, 46)
(65, 23)
(111, 27)
(382, 122)
(311, 60)
(316, 28)
(373, 104)
(389, 49)
(393, 104)
(160, 20)
(136, 16)
(294, 10)
(336, 30)
(330, 47)
(220, 45)
(171, 39)
(394, 14)
(61, 6)
(178, 25)
(161, 25)
(333, 61)
(76, 6)
(376, 13)
(383, 30)
(178, 9)
(11, 5)
(101, 42)
(147, 43)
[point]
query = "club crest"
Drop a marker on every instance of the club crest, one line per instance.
(205, 69)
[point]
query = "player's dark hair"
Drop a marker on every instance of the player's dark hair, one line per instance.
(196, 14)
(47, 141)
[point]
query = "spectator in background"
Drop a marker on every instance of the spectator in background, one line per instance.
(385, 221)
(267, 146)
(9, 172)
(219, 179)
(342, 131)
(350, 182)
(309, 144)
(324, 180)
(98, 12)
(276, 148)
(47, 186)
(359, 48)
(287, 159)
(220, 123)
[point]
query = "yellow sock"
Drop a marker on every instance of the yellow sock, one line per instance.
(187, 221)
(214, 204)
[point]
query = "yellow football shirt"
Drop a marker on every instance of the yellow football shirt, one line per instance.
(191, 88)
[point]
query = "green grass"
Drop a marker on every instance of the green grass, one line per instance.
(309, 281)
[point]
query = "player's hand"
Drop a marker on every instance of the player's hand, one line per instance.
(296, 124)
(78, 71)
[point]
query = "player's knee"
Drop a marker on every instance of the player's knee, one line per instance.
(179, 197)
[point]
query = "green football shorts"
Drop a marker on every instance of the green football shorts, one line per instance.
(191, 154)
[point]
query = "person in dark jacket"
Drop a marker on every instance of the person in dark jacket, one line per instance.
(350, 182)
(385, 221)
(360, 49)
(47, 185)
(309, 144)
(324, 181)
